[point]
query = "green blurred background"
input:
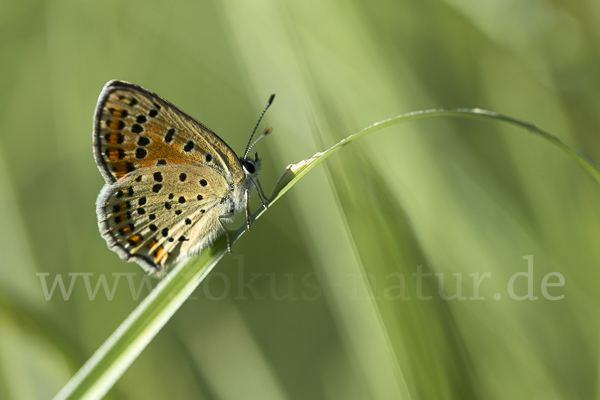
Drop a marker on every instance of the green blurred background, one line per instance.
(455, 197)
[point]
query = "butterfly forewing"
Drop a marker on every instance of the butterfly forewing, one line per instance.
(135, 129)
(154, 214)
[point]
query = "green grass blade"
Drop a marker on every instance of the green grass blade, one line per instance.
(109, 362)
(296, 171)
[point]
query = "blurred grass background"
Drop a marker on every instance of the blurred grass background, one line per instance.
(452, 196)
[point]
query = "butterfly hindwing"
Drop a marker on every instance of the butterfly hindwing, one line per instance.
(154, 214)
(135, 128)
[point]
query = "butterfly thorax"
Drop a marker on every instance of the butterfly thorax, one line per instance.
(239, 191)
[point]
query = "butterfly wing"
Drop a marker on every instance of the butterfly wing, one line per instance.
(155, 214)
(135, 128)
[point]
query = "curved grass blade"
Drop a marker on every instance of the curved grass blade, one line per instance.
(109, 362)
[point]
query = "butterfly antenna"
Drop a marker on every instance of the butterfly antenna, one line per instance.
(262, 135)
(250, 144)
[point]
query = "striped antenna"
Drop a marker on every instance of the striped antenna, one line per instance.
(250, 144)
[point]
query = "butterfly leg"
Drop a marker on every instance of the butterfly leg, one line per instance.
(248, 208)
(225, 230)
(261, 189)
(259, 193)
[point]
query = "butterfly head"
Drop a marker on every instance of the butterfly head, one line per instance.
(251, 167)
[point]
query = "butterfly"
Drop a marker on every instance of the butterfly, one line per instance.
(171, 182)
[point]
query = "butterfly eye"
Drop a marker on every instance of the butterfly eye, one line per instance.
(249, 166)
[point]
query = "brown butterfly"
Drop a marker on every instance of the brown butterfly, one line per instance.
(171, 183)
